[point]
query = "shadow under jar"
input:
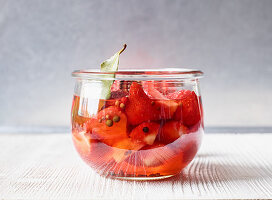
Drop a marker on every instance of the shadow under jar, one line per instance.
(141, 125)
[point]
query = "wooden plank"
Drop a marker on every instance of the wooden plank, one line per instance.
(46, 166)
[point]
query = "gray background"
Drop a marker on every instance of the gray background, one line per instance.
(41, 42)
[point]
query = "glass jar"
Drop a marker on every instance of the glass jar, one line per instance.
(137, 124)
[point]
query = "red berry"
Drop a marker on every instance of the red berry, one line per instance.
(171, 131)
(145, 133)
(139, 107)
(107, 130)
(189, 108)
(151, 91)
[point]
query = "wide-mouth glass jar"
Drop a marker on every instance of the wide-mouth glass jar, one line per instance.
(137, 124)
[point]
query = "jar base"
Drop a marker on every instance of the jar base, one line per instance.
(141, 178)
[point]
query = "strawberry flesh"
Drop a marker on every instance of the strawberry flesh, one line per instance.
(108, 134)
(171, 131)
(139, 107)
(145, 133)
(188, 110)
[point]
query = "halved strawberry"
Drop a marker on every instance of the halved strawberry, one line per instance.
(171, 131)
(93, 152)
(167, 107)
(140, 107)
(151, 91)
(109, 126)
(156, 155)
(145, 133)
(189, 109)
(164, 87)
(124, 148)
(151, 156)
(82, 142)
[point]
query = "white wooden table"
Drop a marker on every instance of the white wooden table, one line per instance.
(46, 166)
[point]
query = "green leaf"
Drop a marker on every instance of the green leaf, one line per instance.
(110, 65)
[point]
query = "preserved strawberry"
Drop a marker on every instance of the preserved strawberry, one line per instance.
(145, 133)
(171, 131)
(109, 126)
(189, 107)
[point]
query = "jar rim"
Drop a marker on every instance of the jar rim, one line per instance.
(139, 74)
